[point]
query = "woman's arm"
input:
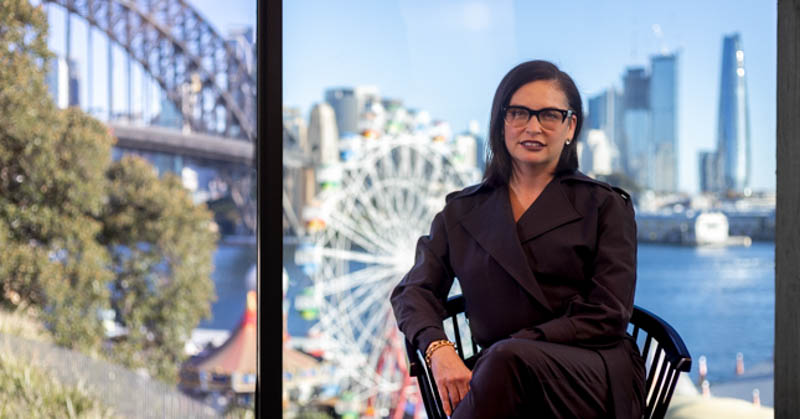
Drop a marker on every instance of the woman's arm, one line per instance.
(419, 307)
(600, 317)
(419, 299)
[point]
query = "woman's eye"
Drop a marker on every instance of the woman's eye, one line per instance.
(550, 116)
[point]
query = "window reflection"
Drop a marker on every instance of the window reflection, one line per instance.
(128, 206)
(672, 118)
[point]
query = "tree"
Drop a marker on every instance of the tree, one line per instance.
(52, 167)
(161, 246)
(80, 234)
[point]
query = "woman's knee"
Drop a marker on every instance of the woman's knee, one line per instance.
(505, 354)
(519, 357)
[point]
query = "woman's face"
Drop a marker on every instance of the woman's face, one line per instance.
(529, 144)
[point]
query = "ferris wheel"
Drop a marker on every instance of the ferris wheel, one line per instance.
(365, 239)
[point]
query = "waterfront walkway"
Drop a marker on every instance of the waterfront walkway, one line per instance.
(759, 377)
(732, 400)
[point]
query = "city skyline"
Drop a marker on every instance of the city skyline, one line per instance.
(444, 57)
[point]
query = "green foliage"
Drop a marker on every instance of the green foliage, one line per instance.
(23, 48)
(237, 411)
(78, 233)
(52, 168)
(161, 246)
(26, 391)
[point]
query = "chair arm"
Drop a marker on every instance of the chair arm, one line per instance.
(666, 336)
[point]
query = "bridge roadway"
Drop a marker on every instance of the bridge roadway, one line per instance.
(173, 141)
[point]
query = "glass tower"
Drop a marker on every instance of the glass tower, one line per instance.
(605, 113)
(663, 108)
(733, 134)
(637, 124)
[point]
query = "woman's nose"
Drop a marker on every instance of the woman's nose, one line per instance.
(533, 125)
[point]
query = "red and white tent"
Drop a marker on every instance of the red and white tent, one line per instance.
(232, 365)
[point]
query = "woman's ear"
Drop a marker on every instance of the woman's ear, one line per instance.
(573, 120)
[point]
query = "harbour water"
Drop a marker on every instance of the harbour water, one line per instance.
(232, 263)
(720, 300)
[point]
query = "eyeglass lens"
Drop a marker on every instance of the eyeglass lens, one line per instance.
(548, 118)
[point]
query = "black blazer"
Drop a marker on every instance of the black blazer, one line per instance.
(564, 273)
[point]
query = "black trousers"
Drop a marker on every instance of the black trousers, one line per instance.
(522, 378)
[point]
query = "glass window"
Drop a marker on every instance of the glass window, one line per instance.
(386, 109)
(128, 207)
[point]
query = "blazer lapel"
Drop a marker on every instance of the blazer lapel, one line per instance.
(491, 224)
(551, 210)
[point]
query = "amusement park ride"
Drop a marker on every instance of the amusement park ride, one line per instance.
(360, 241)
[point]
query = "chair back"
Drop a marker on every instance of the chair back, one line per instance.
(662, 348)
(665, 356)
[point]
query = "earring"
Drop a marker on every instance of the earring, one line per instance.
(568, 141)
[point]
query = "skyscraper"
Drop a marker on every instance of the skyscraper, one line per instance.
(299, 180)
(637, 124)
(323, 136)
(605, 113)
(349, 103)
(733, 134)
(663, 171)
(709, 173)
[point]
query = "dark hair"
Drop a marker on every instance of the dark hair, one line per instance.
(499, 168)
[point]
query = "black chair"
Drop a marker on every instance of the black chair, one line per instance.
(662, 348)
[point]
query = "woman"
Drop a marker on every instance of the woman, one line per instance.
(546, 259)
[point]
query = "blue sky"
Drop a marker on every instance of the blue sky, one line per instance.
(448, 56)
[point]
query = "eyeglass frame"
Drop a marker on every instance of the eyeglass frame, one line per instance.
(565, 113)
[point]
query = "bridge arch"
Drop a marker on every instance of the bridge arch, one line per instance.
(197, 68)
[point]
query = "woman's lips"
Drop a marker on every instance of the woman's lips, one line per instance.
(532, 145)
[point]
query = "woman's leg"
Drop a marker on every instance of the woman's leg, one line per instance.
(526, 378)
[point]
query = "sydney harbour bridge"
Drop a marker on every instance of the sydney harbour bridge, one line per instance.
(206, 80)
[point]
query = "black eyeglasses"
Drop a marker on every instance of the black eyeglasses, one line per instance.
(549, 118)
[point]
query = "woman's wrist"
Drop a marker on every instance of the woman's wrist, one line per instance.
(437, 344)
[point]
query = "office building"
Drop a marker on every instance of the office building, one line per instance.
(349, 105)
(605, 113)
(299, 178)
(663, 173)
(637, 125)
(642, 123)
(323, 137)
(709, 172)
(733, 132)
(295, 130)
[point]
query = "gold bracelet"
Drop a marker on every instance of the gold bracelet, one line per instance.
(434, 346)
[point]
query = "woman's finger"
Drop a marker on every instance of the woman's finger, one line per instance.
(444, 394)
(458, 394)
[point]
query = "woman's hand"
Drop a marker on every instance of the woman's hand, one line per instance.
(452, 377)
